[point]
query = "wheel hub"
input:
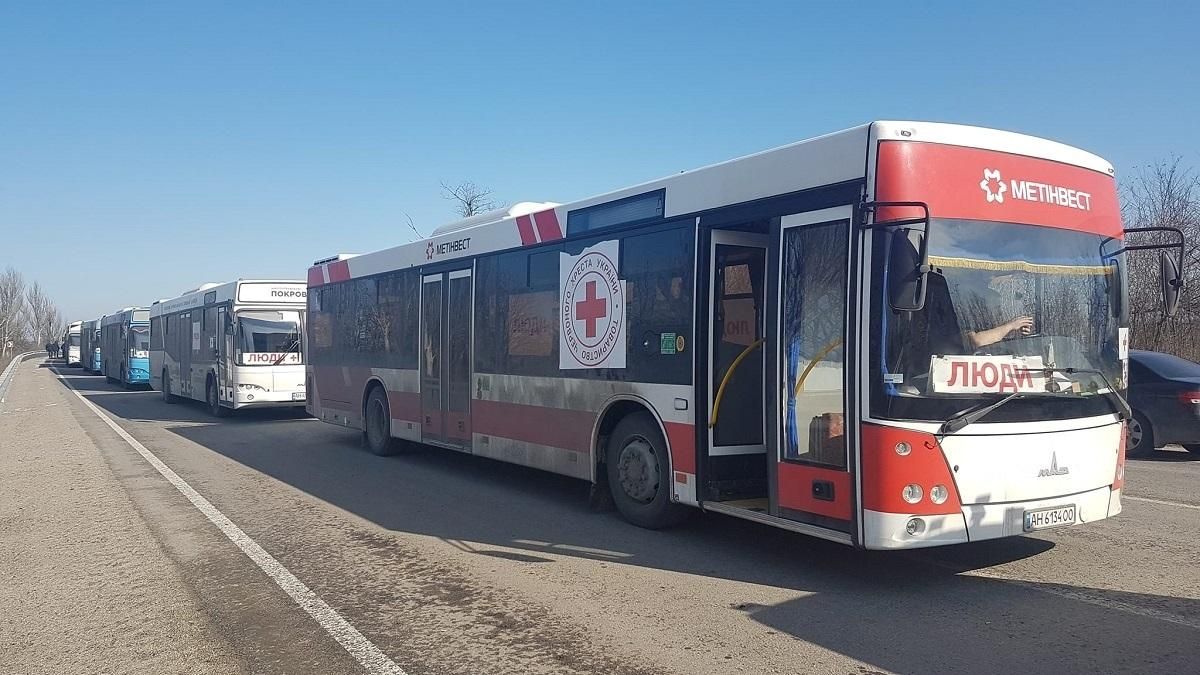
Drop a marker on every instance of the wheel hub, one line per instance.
(637, 470)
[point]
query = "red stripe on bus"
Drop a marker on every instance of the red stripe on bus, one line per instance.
(796, 490)
(555, 427)
(525, 227)
(339, 270)
(404, 405)
(547, 225)
(682, 440)
(315, 277)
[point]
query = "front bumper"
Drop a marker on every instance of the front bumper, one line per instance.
(980, 521)
(258, 398)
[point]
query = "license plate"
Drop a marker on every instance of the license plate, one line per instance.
(1042, 519)
(297, 396)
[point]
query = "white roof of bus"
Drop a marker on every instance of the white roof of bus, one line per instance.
(224, 292)
(822, 160)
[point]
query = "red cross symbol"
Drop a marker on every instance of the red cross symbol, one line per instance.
(590, 309)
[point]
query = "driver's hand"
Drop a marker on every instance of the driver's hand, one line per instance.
(1021, 323)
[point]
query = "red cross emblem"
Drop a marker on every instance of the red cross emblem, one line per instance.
(590, 309)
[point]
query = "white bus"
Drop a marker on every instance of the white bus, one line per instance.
(902, 334)
(72, 339)
(233, 345)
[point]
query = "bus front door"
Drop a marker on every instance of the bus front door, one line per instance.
(446, 310)
(814, 433)
(735, 469)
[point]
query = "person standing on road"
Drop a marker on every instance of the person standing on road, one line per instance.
(49, 350)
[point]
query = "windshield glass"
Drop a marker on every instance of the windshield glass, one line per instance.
(140, 339)
(74, 340)
(266, 338)
(1004, 302)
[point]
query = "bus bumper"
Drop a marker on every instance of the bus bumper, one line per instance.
(977, 522)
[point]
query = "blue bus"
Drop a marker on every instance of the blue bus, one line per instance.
(89, 351)
(125, 346)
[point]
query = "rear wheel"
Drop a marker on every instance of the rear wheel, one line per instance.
(168, 397)
(214, 403)
(1141, 436)
(377, 424)
(639, 474)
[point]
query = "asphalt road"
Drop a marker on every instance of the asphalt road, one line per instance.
(453, 564)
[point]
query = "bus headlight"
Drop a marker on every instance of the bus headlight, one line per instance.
(903, 448)
(914, 526)
(938, 494)
(251, 387)
(912, 493)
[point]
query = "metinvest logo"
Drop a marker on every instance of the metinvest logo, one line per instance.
(993, 186)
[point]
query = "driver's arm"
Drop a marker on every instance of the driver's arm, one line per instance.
(983, 338)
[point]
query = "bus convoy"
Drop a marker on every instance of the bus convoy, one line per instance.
(902, 334)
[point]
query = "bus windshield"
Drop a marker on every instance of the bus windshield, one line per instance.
(270, 332)
(1004, 302)
(140, 338)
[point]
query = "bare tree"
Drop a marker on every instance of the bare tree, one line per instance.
(470, 199)
(12, 309)
(1165, 194)
(45, 321)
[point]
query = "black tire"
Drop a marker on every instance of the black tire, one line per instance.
(168, 397)
(214, 403)
(639, 475)
(1140, 442)
(377, 424)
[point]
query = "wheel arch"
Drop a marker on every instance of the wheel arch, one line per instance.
(611, 413)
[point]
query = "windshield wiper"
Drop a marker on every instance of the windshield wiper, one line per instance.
(289, 350)
(968, 416)
(1121, 407)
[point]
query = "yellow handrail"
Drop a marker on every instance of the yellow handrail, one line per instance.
(725, 380)
(811, 364)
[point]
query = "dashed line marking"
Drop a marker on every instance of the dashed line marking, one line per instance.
(355, 643)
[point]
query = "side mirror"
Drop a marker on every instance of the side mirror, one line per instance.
(908, 270)
(908, 255)
(1171, 283)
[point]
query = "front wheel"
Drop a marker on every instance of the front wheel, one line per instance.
(214, 404)
(639, 474)
(1141, 437)
(377, 424)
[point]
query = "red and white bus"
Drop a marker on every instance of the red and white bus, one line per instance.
(898, 335)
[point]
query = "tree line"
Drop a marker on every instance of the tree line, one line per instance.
(1165, 194)
(29, 318)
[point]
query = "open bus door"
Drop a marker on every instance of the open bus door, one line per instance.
(779, 429)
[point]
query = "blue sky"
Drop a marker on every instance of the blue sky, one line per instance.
(270, 134)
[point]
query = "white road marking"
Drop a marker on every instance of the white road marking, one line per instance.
(363, 650)
(1093, 598)
(1161, 501)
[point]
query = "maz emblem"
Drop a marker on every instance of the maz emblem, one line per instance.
(1055, 469)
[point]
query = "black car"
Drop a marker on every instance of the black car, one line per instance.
(1164, 392)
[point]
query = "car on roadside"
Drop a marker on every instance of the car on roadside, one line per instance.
(1164, 393)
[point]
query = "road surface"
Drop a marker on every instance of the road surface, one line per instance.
(446, 563)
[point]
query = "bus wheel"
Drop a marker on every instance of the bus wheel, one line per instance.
(168, 397)
(638, 474)
(214, 404)
(377, 424)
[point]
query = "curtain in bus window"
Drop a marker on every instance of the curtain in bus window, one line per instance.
(813, 327)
